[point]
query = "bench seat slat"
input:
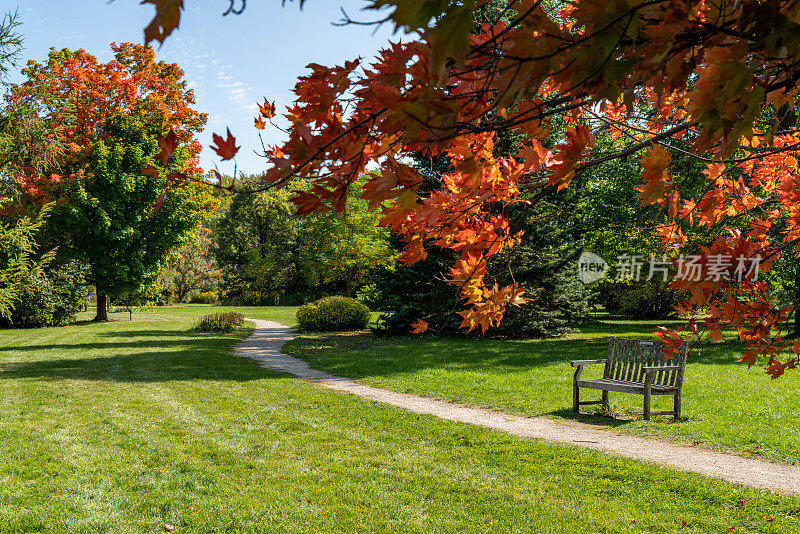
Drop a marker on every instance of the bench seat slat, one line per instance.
(623, 386)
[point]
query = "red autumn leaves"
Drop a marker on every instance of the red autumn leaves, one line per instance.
(656, 74)
(266, 112)
(225, 148)
(165, 21)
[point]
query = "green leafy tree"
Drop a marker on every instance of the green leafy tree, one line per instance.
(122, 222)
(255, 242)
(19, 257)
(192, 268)
(616, 223)
(268, 254)
(344, 248)
(115, 208)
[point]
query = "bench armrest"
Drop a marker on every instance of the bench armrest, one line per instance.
(576, 363)
(649, 369)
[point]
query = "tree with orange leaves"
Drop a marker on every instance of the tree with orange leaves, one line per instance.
(126, 187)
(715, 81)
(74, 95)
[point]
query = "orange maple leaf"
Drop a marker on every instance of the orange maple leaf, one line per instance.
(167, 145)
(563, 166)
(226, 148)
(748, 357)
(714, 170)
(165, 21)
(150, 171)
(419, 326)
(267, 110)
(654, 175)
(159, 203)
(307, 203)
(775, 369)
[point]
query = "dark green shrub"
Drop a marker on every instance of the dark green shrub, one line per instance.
(333, 313)
(50, 298)
(412, 291)
(35, 306)
(220, 322)
(205, 297)
(559, 301)
(650, 299)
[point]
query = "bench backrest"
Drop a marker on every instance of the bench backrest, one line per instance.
(626, 357)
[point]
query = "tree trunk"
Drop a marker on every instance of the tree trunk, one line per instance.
(102, 307)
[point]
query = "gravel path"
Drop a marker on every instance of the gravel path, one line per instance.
(265, 345)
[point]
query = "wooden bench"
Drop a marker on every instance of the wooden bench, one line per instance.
(634, 366)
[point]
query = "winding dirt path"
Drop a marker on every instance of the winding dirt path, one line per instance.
(265, 345)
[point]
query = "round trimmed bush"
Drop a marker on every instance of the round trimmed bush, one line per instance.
(333, 313)
(220, 322)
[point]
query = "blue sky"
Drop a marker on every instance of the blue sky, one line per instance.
(231, 62)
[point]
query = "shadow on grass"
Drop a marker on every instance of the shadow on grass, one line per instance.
(142, 359)
(181, 338)
(591, 418)
(98, 345)
(137, 367)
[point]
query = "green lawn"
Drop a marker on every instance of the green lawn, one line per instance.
(726, 406)
(126, 426)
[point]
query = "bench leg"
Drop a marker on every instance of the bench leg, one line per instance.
(676, 413)
(576, 397)
(605, 399)
(646, 413)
